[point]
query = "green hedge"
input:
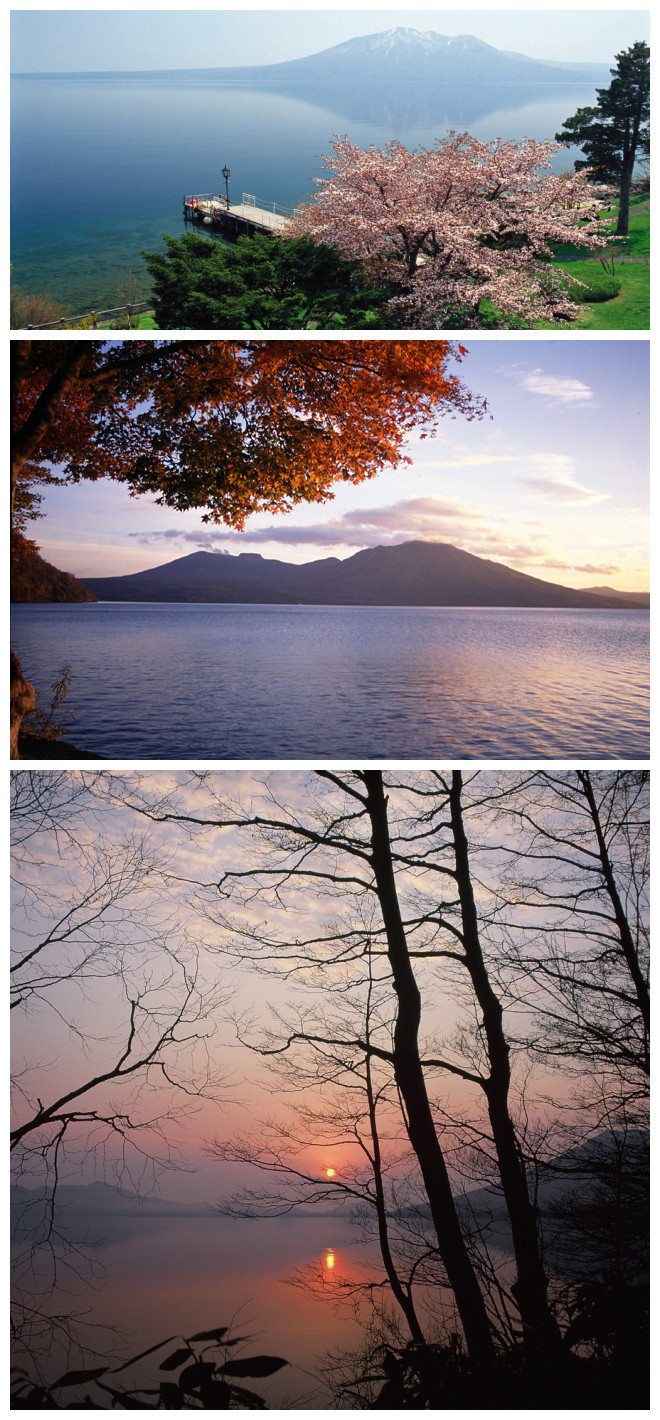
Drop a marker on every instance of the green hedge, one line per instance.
(598, 286)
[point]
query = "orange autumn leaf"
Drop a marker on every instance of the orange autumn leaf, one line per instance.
(233, 427)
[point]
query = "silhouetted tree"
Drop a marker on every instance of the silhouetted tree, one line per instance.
(613, 132)
(113, 989)
(576, 919)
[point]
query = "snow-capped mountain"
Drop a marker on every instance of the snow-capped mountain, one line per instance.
(406, 53)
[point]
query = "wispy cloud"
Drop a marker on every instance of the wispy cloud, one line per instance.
(429, 518)
(554, 389)
(601, 569)
(552, 477)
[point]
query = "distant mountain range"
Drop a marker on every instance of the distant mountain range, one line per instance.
(408, 574)
(94, 1213)
(409, 54)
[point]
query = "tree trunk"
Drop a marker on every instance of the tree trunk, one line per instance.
(409, 1076)
(25, 440)
(623, 926)
(22, 699)
(540, 1331)
(629, 152)
(401, 1293)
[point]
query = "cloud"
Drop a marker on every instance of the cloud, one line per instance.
(470, 527)
(552, 477)
(601, 569)
(432, 518)
(464, 461)
(554, 389)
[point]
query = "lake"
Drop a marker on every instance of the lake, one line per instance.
(237, 682)
(189, 1274)
(100, 163)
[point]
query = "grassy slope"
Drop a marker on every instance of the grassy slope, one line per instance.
(630, 310)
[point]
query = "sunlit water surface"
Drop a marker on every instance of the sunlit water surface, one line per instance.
(100, 163)
(172, 681)
(275, 1282)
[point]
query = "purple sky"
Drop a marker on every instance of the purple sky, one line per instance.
(555, 485)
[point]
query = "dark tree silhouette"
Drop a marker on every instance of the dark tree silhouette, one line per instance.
(613, 132)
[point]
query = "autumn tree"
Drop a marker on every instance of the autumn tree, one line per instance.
(228, 426)
(614, 131)
(452, 226)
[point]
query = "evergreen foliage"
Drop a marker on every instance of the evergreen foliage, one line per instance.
(613, 132)
(259, 283)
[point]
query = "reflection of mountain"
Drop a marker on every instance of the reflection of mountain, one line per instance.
(441, 104)
(407, 574)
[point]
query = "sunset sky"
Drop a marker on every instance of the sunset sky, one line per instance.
(555, 484)
(176, 913)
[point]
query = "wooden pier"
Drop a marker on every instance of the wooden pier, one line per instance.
(241, 219)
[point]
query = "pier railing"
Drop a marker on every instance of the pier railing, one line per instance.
(212, 207)
(250, 201)
(136, 308)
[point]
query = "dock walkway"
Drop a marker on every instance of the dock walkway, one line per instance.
(238, 219)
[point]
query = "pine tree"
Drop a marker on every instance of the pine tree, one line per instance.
(613, 132)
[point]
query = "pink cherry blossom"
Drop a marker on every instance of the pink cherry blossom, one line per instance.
(447, 226)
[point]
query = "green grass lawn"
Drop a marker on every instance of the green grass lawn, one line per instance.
(630, 310)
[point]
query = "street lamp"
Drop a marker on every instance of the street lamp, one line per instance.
(225, 174)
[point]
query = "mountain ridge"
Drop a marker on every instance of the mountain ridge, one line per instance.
(414, 573)
(401, 52)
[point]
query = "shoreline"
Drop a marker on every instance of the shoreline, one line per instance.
(32, 747)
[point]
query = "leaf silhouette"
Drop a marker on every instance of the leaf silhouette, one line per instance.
(176, 1359)
(252, 1366)
(80, 1377)
(132, 1359)
(216, 1335)
(195, 1375)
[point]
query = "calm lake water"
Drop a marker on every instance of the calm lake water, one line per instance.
(189, 1274)
(172, 681)
(100, 164)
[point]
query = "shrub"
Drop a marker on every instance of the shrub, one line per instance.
(598, 286)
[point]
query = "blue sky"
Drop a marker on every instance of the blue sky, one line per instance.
(555, 484)
(48, 40)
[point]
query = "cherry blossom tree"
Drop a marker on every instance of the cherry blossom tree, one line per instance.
(450, 226)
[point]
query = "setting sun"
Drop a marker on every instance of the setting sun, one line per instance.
(330, 1173)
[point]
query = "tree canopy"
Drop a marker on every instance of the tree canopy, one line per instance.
(616, 129)
(447, 226)
(233, 427)
(258, 283)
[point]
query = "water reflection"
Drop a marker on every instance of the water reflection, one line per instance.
(255, 682)
(100, 163)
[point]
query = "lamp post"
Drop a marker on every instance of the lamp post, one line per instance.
(225, 174)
